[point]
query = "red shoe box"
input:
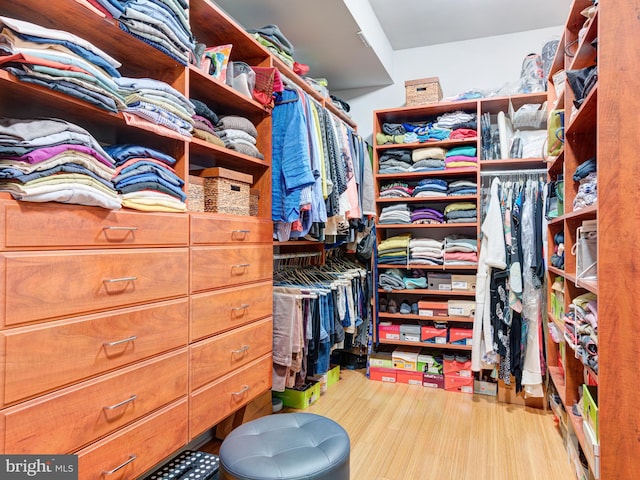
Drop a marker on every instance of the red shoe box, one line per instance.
(411, 378)
(434, 335)
(389, 331)
(458, 369)
(460, 336)
(453, 383)
(383, 374)
(433, 380)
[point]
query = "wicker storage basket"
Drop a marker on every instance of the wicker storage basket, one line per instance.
(254, 199)
(226, 191)
(423, 90)
(195, 194)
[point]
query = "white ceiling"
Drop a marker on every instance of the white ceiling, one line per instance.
(325, 33)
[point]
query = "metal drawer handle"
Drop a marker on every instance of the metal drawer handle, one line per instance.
(244, 389)
(123, 279)
(118, 342)
(129, 229)
(241, 350)
(244, 306)
(243, 232)
(122, 403)
(241, 265)
(110, 472)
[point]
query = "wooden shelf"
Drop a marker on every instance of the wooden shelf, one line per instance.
(559, 323)
(584, 213)
(556, 166)
(446, 346)
(206, 155)
(556, 270)
(420, 113)
(586, 55)
(295, 243)
(584, 120)
(576, 422)
(438, 143)
(400, 316)
(590, 285)
(443, 198)
(452, 172)
(558, 380)
(512, 163)
(425, 291)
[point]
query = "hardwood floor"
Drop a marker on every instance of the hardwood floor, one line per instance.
(407, 432)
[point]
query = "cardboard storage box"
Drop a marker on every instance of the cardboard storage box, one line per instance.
(410, 333)
(432, 380)
(430, 363)
(382, 374)
(457, 369)
(406, 358)
(389, 331)
(460, 336)
(422, 90)
(381, 359)
(463, 282)
(439, 281)
(427, 308)
(482, 387)
(411, 378)
(461, 308)
(453, 383)
(300, 398)
(434, 335)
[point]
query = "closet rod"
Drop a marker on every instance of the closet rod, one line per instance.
(282, 256)
(500, 173)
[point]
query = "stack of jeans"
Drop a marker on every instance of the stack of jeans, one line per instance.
(59, 61)
(146, 180)
(51, 160)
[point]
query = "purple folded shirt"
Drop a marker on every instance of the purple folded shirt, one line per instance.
(45, 153)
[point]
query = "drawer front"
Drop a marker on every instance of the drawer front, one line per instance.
(44, 357)
(215, 267)
(216, 228)
(51, 285)
(218, 400)
(54, 225)
(137, 448)
(215, 312)
(214, 357)
(78, 415)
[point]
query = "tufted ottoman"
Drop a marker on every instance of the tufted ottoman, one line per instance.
(290, 446)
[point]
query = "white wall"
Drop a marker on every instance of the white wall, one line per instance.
(485, 63)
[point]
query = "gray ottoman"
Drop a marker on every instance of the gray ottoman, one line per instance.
(292, 446)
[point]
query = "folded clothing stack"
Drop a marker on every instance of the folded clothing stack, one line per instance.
(585, 307)
(60, 61)
(457, 120)
(424, 132)
(461, 157)
(162, 24)
(239, 134)
(430, 187)
(52, 160)
(426, 215)
(391, 280)
(395, 160)
(460, 250)
(394, 250)
(398, 213)
(462, 187)
(426, 251)
(428, 159)
(274, 40)
(204, 122)
(157, 106)
(396, 190)
(461, 212)
(586, 174)
(557, 258)
(415, 279)
(146, 179)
